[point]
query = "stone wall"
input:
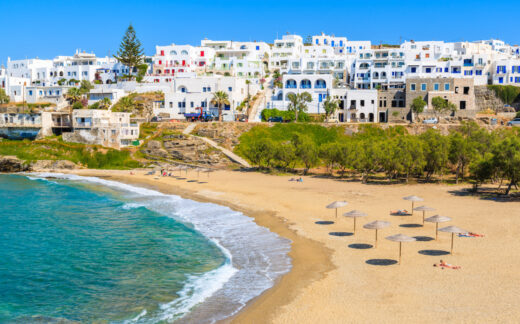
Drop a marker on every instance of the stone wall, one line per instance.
(485, 98)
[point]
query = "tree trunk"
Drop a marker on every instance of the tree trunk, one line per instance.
(220, 112)
(457, 175)
(509, 187)
(296, 115)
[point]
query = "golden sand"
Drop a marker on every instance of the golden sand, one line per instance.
(334, 281)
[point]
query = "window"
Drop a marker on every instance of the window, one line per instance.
(230, 89)
(446, 87)
(478, 72)
(412, 87)
(423, 87)
(428, 70)
(462, 105)
(362, 103)
(258, 48)
(436, 87)
(413, 70)
(30, 92)
(192, 104)
(445, 70)
(466, 90)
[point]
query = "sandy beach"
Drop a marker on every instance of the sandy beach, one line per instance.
(333, 280)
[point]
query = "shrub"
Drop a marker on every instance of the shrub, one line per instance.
(78, 105)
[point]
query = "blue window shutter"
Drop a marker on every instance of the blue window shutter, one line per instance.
(317, 41)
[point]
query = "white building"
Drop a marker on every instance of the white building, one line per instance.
(100, 93)
(171, 60)
(242, 59)
(506, 72)
(317, 85)
(190, 95)
(102, 127)
(285, 49)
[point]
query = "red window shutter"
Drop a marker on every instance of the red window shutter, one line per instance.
(202, 53)
(160, 62)
(183, 62)
(162, 53)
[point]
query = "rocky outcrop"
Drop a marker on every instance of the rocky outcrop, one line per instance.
(225, 134)
(53, 165)
(187, 149)
(485, 99)
(13, 164)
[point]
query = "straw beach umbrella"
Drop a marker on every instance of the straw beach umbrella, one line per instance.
(400, 238)
(424, 209)
(337, 204)
(355, 214)
(452, 230)
(376, 225)
(437, 219)
(413, 199)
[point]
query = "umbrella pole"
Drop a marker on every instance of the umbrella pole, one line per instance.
(376, 239)
(436, 231)
(412, 208)
(336, 213)
(400, 243)
(423, 216)
(354, 225)
(452, 234)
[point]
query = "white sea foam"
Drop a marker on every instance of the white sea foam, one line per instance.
(128, 206)
(255, 256)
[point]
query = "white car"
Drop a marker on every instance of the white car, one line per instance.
(430, 121)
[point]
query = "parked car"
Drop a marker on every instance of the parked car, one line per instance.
(514, 122)
(275, 120)
(156, 119)
(431, 121)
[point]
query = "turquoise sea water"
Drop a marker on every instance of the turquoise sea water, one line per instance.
(84, 252)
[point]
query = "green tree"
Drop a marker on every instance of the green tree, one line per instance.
(366, 157)
(306, 150)
(436, 148)
(105, 103)
(482, 170)
(330, 153)
(417, 106)
(298, 102)
(4, 98)
(277, 79)
(442, 106)
(506, 159)
(141, 72)
(410, 152)
(220, 98)
(125, 104)
(85, 87)
(285, 154)
(330, 105)
(130, 51)
(73, 95)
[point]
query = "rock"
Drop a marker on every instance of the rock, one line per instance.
(13, 164)
(53, 165)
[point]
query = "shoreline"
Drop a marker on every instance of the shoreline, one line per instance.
(285, 288)
(337, 277)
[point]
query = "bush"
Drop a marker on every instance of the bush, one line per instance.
(95, 105)
(507, 93)
(78, 105)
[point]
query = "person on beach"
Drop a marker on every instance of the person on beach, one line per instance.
(443, 265)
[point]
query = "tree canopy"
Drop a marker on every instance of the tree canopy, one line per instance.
(130, 51)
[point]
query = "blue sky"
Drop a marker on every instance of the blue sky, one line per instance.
(50, 28)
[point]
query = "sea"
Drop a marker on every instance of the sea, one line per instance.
(88, 250)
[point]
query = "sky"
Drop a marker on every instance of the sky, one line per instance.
(46, 29)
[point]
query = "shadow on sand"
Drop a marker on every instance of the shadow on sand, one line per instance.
(423, 238)
(381, 262)
(341, 233)
(324, 222)
(410, 225)
(360, 246)
(433, 252)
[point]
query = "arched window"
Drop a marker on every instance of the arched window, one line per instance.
(375, 75)
(183, 89)
(310, 65)
(371, 117)
(305, 84)
(290, 84)
(158, 71)
(61, 73)
(173, 53)
(320, 84)
(279, 96)
(383, 75)
(243, 47)
(184, 52)
(362, 116)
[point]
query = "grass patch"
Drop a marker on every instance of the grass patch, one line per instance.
(93, 157)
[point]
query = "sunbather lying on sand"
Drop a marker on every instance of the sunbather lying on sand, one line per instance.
(399, 212)
(470, 234)
(443, 265)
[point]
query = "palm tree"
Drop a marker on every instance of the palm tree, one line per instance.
(126, 104)
(105, 103)
(298, 102)
(330, 105)
(220, 98)
(73, 95)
